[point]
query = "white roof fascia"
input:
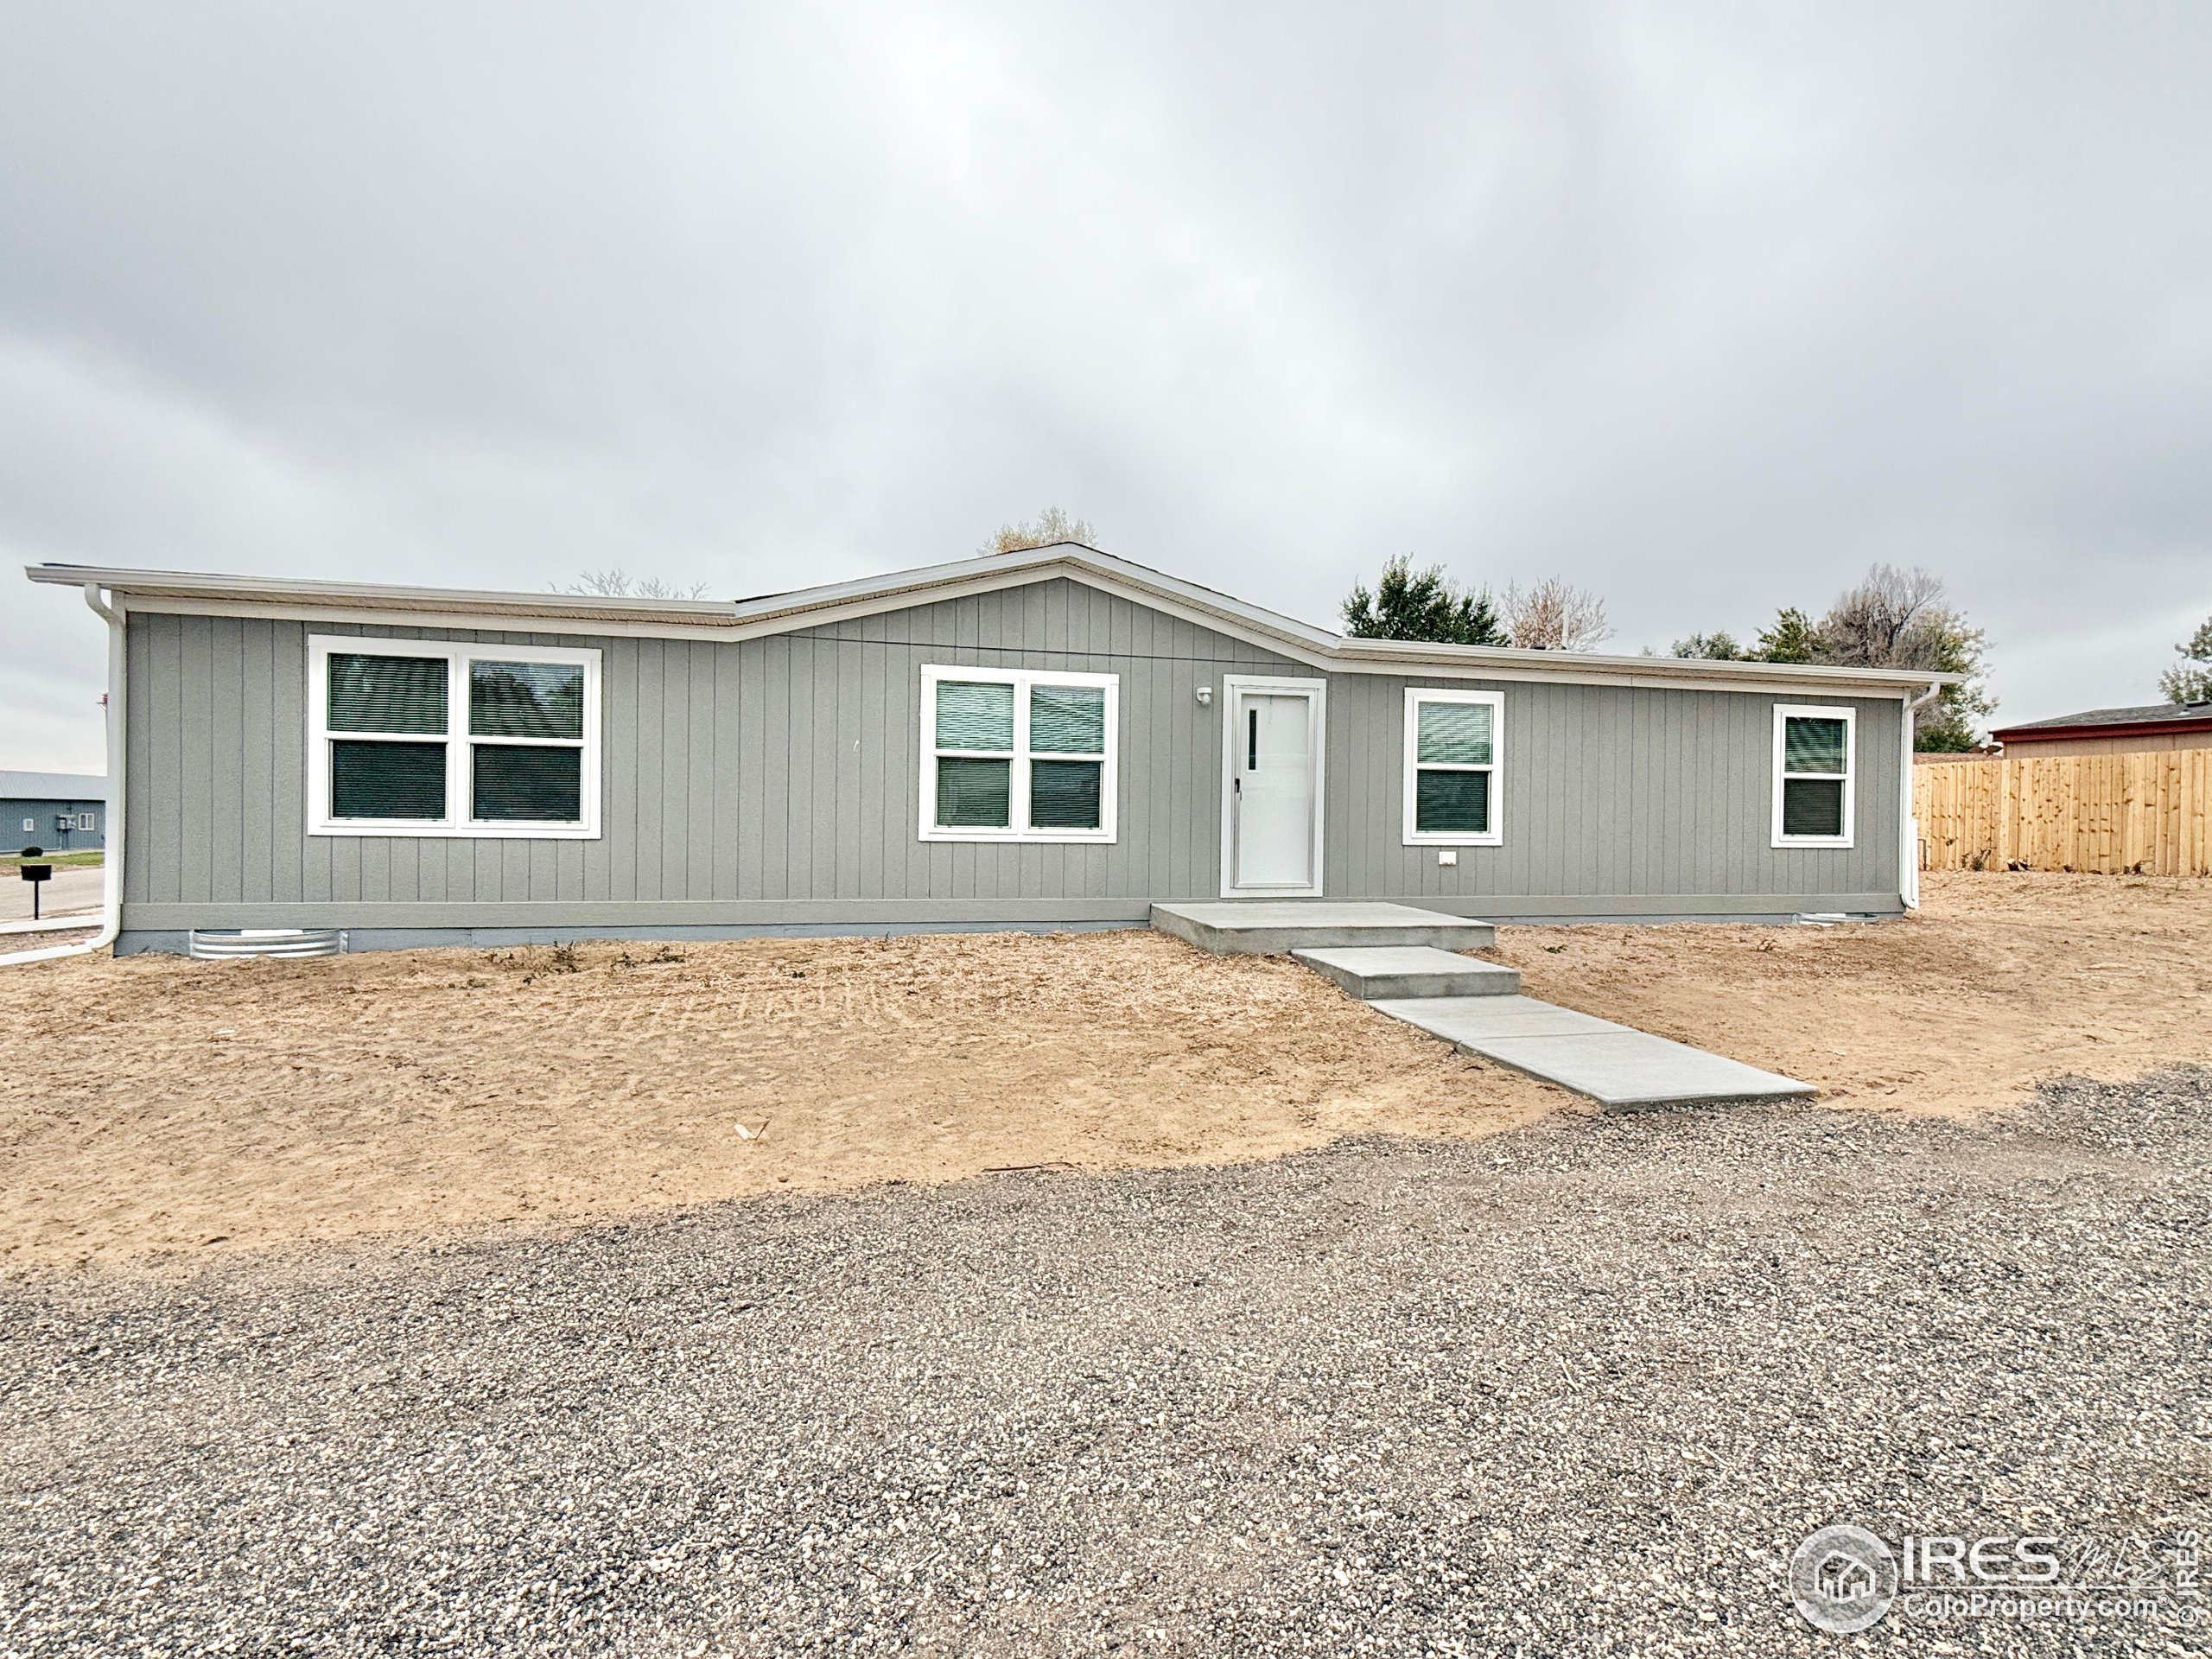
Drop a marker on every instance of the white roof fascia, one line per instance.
(268, 592)
(364, 603)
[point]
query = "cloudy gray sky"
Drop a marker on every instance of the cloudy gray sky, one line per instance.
(1706, 307)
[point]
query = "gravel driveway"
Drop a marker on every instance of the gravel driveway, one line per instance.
(1578, 1389)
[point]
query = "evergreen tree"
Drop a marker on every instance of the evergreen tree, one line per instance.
(1789, 641)
(2190, 681)
(1719, 646)
(1410, 604)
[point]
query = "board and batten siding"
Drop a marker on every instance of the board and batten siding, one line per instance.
(1615, 800)
(763, 782)
(774, 782)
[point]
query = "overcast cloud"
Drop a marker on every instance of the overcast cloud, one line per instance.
(1706, 307)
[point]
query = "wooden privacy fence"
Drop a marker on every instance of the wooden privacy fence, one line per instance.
(2107, 814)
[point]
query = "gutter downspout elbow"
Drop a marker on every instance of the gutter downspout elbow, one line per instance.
(1909, 874)
(111, 859)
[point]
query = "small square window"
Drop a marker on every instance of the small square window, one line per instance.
(387, 780)
(512, 785)
(974, 794)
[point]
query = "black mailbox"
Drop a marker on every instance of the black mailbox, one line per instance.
(35, 873)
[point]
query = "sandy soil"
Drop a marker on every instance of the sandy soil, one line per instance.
(2002, 979)
(153, 1107)
(154, 1104)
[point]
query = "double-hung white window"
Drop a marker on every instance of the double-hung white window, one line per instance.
(1017, 755)
(415, 737)
(1454, 746)
(1815, 760)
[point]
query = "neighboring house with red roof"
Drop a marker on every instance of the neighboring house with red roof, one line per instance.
(2156, 726)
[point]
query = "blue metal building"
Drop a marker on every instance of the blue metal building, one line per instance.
(59, 812)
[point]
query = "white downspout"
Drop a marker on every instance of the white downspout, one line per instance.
(1908, 877)
(111, 861)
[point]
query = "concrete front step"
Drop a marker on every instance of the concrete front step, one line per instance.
(1618, 1067)
(1273, 926)
(1409, 970)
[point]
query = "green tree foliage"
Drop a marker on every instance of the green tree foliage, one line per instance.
(1719, 646)
(1902, 619)
(1893, 618)
(1790, 639)
(1410, 604)
(2190, 681)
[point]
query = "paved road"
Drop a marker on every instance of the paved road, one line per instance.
(73, 888)
(1578, 1389)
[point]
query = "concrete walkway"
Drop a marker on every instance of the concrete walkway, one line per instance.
(1404, 960)
(1617, 1066)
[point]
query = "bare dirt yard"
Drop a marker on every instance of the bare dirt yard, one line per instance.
(153, 1110)
(2001, 982)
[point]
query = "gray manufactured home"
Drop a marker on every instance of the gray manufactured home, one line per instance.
(1051, 738)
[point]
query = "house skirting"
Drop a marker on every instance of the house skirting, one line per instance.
(375, 926)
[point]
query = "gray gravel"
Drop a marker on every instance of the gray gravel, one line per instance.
(1578, 1389)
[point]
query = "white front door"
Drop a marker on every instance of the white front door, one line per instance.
(1273, 840)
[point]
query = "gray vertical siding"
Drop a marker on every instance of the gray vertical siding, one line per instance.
(1614, 800)
(774, 782)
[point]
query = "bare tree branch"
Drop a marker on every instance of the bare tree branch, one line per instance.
(1554, 615)
(1051, 526)
(615, 584)
(1892, 620)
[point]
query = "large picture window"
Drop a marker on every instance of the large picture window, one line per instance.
(1814, 763)
(1017, 755)
(421, 738)
(1454, 745)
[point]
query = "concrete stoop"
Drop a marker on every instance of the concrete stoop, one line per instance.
(1269, 927)
(1374, 972)
(1401, 961)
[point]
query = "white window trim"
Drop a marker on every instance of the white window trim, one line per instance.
(456, 825)
(1495, 836)
(1785, 712)
(1020, 679)
(84, 820)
